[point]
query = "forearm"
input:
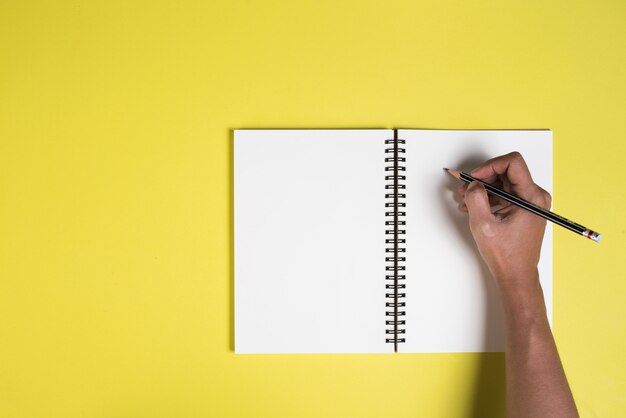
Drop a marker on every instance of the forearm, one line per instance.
(509, 240)
(536, 383)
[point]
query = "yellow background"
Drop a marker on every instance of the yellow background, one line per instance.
(116, 191)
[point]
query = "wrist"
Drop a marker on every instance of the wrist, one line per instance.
(516, 276)
(521, 295)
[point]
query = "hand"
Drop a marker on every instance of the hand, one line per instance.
(509, 240)
(508, 237)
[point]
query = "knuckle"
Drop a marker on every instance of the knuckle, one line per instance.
(547, 198)
(543, 198)
(516, 155)
(472, 191)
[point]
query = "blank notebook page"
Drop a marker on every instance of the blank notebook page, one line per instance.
(451, 301)
(309, 241)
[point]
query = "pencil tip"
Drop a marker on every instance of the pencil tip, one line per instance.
(455, 173)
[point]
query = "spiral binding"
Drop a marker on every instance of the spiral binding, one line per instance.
(394, 260)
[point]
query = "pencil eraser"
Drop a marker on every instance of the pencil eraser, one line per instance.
(592, 235)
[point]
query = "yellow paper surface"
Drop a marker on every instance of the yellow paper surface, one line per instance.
(116, 258)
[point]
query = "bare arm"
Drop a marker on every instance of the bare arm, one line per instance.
(509, 241)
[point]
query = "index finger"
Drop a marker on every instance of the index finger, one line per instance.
(510, 166)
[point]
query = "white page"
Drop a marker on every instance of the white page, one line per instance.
(452, 304)
(309, 241)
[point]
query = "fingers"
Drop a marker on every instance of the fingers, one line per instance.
(510, 173)
(512, 170)
(546, 197)
(478, 207)
(494, 201)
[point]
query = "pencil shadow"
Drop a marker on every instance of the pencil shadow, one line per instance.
(488, 398)
(231, 237)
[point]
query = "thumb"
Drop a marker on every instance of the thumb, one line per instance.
(477, 203)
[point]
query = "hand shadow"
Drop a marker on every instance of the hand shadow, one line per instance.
(490, 379)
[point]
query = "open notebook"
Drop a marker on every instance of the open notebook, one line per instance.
(350, 241)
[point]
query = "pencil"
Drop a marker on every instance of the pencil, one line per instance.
(544, 213)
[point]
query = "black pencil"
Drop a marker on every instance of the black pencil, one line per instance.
(544, 213)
